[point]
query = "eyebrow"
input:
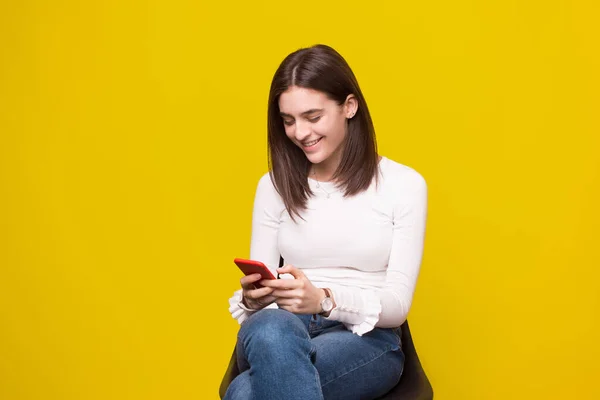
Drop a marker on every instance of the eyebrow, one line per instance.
(311, 111)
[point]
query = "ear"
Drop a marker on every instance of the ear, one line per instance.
(350, 106)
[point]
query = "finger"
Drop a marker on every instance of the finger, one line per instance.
(287, 302)
(247, 279)
(290, 269)
(288, 294)
(267, 282)
(266, 300)
(285, 284)
(261, 302)
(257, 293)
(250, 282)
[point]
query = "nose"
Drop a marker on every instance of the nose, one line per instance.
(302, 130)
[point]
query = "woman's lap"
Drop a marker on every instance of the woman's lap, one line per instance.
(350, 366)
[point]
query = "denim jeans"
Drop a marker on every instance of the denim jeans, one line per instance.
(286, 356)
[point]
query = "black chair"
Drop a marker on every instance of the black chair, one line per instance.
(413, 384)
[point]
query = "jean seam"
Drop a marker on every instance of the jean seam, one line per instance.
(358, 366)
(313, 350)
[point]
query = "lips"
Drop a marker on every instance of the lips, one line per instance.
(311, 144)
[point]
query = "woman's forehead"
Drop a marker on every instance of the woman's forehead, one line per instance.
(298, 100)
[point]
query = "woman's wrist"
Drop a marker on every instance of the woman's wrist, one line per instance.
(326, 302)
(249, 306)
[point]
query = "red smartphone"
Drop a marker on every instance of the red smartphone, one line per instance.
(250, 267)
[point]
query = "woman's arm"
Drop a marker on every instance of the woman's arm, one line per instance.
(266, 217)
(361, 309)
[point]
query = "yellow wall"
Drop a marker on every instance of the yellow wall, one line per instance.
(132, 136)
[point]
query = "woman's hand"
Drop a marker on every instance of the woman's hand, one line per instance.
(297, 295)
(255, 298)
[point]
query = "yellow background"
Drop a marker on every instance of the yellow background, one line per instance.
(132, 135)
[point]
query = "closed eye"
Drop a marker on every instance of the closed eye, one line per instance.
(290, 122)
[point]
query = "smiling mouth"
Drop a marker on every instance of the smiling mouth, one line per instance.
(311, 143)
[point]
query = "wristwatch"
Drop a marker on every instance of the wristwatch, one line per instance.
(326, 303)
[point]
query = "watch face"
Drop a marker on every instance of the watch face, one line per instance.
(327, 304)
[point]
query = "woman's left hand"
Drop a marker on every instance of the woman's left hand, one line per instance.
(297, 295)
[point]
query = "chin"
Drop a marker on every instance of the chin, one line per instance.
(316, 158)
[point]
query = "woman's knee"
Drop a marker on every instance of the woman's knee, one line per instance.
(272, 328)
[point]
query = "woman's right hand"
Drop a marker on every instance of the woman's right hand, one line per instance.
(254, 298)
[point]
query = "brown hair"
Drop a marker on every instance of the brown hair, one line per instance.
(323, 69)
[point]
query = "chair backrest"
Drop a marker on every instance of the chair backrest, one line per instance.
(414, 384)
(231, 372)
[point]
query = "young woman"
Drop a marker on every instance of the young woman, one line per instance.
(350, 226)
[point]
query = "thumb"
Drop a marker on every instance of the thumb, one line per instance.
(290, 269)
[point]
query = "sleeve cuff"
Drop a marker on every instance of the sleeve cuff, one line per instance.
(239, 311)
(358, 310)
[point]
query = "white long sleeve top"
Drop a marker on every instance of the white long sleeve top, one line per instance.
(366, 248)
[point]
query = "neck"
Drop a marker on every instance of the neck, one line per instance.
(324, 171)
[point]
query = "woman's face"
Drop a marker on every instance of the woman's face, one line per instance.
(315, 123)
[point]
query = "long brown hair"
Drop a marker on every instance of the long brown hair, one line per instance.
(323, 69)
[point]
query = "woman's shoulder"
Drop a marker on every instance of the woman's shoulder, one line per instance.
(400, 175)
(265, 190)
(265, 184)
(265, 180)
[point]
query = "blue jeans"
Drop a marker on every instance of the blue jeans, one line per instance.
(289, 356)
